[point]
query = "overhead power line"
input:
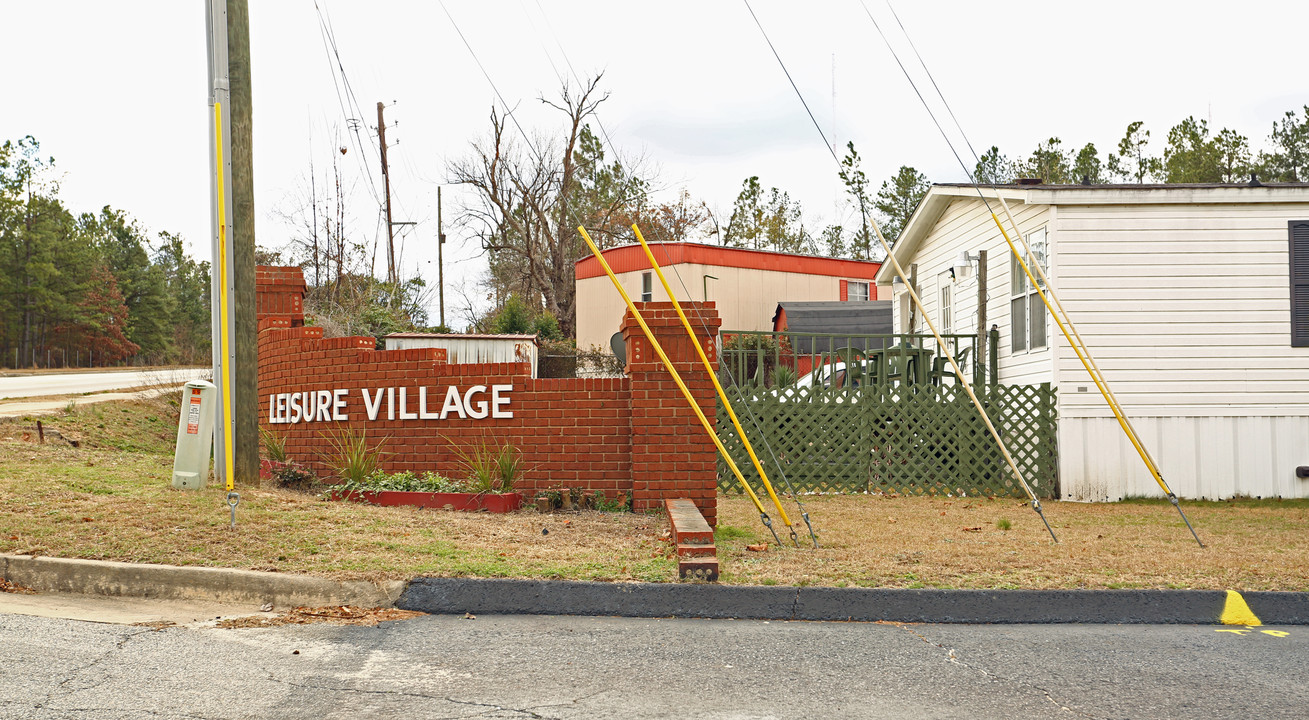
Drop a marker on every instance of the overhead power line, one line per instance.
(494, 89)
(918, 303)
(1048, 295)
(353, 117)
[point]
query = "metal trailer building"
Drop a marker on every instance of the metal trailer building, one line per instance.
(462, 349)
(1194, 300)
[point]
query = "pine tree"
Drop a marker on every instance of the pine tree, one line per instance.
(100, 326)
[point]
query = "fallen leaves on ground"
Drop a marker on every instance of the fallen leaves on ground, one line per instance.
(334, 614)
(155, 624)
(6, 586)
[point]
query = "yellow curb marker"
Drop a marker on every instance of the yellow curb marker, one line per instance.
(1237, 612)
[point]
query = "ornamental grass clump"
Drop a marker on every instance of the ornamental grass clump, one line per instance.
(274, 445)
(491, 470)
(350, 456)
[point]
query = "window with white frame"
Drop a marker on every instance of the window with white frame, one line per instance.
(945, 310)
(647, 287)
(856, 290)
(1027, 312)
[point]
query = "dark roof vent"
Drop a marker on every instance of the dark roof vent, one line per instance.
(1086, 180)
(1254, 181)
(1028, 181)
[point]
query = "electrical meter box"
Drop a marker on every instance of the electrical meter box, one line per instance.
(195, 435)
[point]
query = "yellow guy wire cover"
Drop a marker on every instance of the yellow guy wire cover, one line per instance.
(713, 376)
(222, 301)
(959, 374)
(671, 370)
(1095, 377)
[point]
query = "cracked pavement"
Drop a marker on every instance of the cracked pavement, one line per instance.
(587, 667)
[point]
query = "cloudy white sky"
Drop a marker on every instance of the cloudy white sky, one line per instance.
(116, 92)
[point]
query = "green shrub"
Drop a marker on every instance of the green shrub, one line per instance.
(547, 326)
(621, 503)
(404, 481)
(294, 476)
(514, 318)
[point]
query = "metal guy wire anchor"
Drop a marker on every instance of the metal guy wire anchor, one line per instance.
(768, 523)
(233, 499)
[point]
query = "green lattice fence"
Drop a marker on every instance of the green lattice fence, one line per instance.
(912, 439)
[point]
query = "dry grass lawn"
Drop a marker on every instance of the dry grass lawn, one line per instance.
(110, 499)
(879, 541)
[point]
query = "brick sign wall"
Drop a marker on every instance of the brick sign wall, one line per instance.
(633, 434)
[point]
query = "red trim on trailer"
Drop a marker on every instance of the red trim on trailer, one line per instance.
(629, 258)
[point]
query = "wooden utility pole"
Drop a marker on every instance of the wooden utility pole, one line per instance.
(386, 181)
(440, 262)
(981, 315)
(245, 330)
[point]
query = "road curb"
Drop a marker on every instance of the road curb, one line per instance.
(540, 597)
(653, 600)
(172, 582)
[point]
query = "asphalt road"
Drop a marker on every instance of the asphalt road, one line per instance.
(75, 383)
(583, 667)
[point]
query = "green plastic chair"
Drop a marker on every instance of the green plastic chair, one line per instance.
(941, 365)
(856, 366)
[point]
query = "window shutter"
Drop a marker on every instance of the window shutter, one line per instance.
(845, 290)
(1299, 231)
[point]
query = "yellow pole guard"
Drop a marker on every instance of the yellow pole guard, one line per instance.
(713, 376)
(1093, 368)
(671, 370)
(1104, 391)
(224, 340)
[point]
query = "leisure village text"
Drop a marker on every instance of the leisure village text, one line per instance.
(477, 402)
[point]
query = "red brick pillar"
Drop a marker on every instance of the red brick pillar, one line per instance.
(280, 293)
(672, 456)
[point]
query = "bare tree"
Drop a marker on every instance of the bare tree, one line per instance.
(532, 194)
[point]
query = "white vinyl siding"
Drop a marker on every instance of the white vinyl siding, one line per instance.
(1185, 308)
(967, 225)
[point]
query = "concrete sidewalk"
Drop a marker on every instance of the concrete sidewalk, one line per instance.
(689, 600)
